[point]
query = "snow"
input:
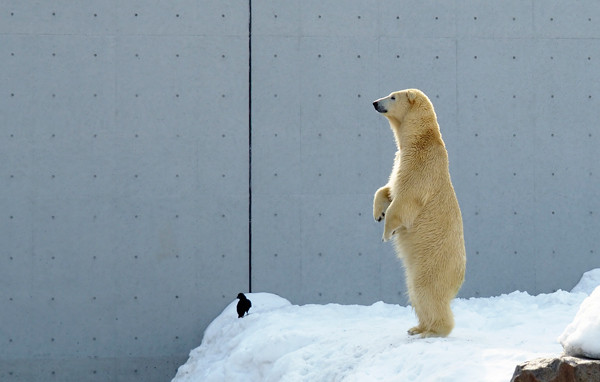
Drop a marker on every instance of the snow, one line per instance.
(582, 336)
(589, 281)
(279, 341)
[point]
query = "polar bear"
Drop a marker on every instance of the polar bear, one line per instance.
(421, 212)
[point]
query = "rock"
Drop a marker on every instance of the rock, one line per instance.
(563, 369)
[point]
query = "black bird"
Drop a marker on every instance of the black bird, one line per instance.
(243, 306)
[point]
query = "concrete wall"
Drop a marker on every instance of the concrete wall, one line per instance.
(128, 220)
(124, 191)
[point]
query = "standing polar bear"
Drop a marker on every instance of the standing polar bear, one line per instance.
(421, 212)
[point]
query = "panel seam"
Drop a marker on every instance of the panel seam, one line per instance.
(250, 146)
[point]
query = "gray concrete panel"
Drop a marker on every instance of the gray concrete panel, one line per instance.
(123, 155)
(91, 369)
(496, 161)
(563, 19)
(484, 67)
(567, 182)
(424, 19)
(506, 19)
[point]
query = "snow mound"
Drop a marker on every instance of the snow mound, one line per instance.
(279, 341)
(225, 341)
(589, 281)
(581, 338)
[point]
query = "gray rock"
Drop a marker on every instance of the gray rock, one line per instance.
(562, 369)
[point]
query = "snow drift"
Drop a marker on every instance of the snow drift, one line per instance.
(279, 341)
(582, 337)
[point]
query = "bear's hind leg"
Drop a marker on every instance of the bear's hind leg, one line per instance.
(435, 319)
(441, 324)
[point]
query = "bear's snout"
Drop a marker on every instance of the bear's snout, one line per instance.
(379, 107)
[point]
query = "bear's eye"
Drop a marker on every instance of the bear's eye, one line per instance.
(393, 98)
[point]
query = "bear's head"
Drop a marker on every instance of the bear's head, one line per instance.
(398, 104)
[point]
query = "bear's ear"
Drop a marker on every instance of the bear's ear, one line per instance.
(412, 95)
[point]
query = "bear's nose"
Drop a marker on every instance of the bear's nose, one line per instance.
(379, 108)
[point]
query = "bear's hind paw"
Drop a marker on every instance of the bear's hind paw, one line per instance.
(426, 333)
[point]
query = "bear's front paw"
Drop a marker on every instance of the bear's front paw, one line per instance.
(378, 215)
(381, 202)
(387, 235)
(392, 225)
